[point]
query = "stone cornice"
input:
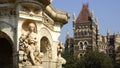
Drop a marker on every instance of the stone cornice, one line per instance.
(57, 15)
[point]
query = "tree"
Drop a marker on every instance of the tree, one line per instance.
(94, 59)
(70, 58)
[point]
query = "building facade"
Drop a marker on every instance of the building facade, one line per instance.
(29, 31)
(87, 36)
(113, 47)
(85, 31)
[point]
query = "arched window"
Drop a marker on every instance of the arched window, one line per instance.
(85, 45)
(81, 45)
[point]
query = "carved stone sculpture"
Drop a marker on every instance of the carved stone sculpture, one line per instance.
(60, 59)
(28, 44)
(60, 48)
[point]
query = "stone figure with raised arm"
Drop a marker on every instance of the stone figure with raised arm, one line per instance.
(28, 43)
(32, 41)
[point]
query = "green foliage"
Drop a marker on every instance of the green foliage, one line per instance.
(71, 60)
(95, 59)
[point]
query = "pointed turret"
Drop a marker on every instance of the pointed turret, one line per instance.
(108, 32)
(92, 15)
(67, 35)
(108, 35)
(74, 17)
(74, 20)
(85, 15)
(96, 20)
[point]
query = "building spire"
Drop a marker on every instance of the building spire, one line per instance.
(108, 32)
(84, 15)
(96, 20)
(92, 15)
(74, 17)
(67, 34)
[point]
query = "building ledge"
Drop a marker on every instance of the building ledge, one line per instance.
(57, 15)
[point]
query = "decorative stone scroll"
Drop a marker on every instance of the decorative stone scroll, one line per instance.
(29, 54)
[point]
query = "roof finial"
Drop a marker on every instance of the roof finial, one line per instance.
(67, 34)
(74, 17)
(108, 31)
(92, 15)
(96, 20)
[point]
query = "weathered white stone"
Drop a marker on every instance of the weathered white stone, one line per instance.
(16, 15)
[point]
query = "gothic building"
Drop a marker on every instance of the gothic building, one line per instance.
(85, 31)
(69, 45)
(87, 36)
(114, 46)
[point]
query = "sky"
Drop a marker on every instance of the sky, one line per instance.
(107, 11)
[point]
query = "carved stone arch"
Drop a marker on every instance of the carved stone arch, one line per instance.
(45, 32)
(25, 25)
(6, 51)
(7, 28)
(4, 35)
(2, 22)
(45, 48)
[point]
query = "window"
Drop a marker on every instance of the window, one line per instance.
(85, 46)
(81, 55)
(81, 45)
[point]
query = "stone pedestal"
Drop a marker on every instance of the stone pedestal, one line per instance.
(32, 67)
